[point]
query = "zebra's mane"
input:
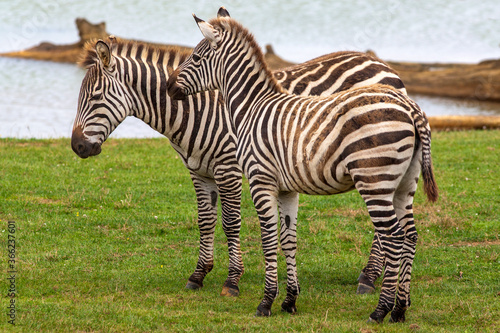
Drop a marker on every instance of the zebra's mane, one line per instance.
(120, 48)
(229, 24)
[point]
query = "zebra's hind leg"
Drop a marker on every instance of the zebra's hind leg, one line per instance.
(373, 269)
(391, 235)
(403, 203)
(288, 205)
(230, 196)
(403, 301)
(206, 195)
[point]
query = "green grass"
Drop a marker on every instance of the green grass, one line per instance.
(106, 244)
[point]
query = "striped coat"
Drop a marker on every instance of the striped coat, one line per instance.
(129, 79)
(373, 139)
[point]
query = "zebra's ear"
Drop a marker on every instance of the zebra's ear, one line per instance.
(104, 54)
(223, 12)
(208, 31)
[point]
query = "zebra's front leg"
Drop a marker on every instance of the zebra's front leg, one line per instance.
(206, 195)
(288, 203)
(266, 205)
(229, 184)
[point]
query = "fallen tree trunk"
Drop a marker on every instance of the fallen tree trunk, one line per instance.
(474, 81)
(68, 53)
(464, 122)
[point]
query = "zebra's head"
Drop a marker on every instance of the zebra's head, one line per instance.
(197, 73)
(102, 102)
(227, 48)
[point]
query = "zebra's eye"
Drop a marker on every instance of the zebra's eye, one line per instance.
(196, 57)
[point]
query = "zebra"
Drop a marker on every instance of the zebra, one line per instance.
(126, 78)
(373, 139)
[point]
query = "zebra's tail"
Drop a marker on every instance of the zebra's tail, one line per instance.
(424, 133)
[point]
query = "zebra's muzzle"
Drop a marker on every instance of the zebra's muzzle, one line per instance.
(81, 146)
(174, 91)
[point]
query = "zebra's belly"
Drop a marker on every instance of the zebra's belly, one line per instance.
(323, 183)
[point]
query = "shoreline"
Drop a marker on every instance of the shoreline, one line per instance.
(437, 123)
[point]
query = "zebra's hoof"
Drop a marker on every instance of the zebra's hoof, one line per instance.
(288, 304)
(263, 312)
(364, 289)
(292, 309)
(193, 285)
(377, 317)
(365, 286)
(397, 316)
(374, 321)
(230, 290)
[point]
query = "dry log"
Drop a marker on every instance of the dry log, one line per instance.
(464, 122)
(69, 53)
(274, 61)
(63, 53)
(474, 81)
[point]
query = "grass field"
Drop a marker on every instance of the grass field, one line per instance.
(106, 244)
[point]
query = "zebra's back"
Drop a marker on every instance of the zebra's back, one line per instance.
(334, 72)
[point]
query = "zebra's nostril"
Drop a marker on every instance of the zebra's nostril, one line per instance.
(80, 148)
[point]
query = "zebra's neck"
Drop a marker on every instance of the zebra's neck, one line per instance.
(144, 73)
(247, 78)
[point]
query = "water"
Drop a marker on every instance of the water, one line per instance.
(38, 99)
